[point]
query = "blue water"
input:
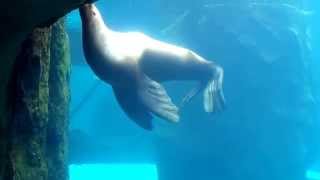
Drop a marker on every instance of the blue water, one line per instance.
(270, 129)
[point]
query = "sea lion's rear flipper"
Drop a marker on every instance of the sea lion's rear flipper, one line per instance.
(155, 98)
(213, 98)
(133, 107)
(191, 94)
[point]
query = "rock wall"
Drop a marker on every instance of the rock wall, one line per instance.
(59, 99)
(39, 100)
(26, 153)
(19, 18)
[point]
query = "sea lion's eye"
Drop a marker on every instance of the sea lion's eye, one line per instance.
(93, 13)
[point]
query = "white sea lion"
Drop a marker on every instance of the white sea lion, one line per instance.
(135, 64)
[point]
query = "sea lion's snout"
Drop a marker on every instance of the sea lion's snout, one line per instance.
(85, 7)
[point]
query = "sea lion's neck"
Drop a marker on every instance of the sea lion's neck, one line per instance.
(96, 37)
(92, 21)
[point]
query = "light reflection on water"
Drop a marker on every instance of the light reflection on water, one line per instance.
(113, 172)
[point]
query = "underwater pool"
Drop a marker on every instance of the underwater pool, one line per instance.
(113, 171)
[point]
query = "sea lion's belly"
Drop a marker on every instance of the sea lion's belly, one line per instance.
(110, 69)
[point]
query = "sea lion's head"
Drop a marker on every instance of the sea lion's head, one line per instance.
(89, 13)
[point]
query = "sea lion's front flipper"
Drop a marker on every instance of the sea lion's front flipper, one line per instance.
(155, 98)
(146, 98)
(133, 106)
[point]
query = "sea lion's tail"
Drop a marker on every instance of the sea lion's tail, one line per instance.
(213, 98)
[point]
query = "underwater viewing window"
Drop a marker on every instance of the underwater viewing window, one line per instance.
(113, 171)
(313, 175)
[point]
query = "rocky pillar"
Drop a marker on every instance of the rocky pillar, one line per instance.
(26, 152)
(39, 101)
(59, 98)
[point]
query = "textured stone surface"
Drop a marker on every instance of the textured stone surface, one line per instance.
(18, 19)
(26, 153)
(59, 98)
(39, 99)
